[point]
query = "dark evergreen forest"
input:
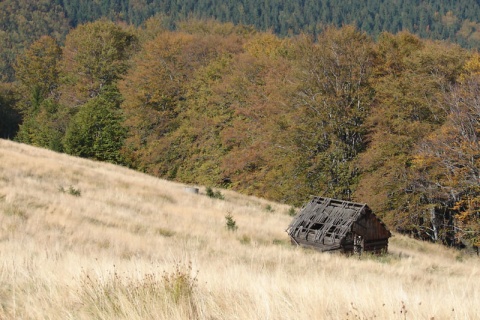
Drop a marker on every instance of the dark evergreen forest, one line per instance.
(434, 19)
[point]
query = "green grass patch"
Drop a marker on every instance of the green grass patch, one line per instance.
(164, 232)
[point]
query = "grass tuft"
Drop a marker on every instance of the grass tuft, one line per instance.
(181, 283)
(245, 239)
(164, 232)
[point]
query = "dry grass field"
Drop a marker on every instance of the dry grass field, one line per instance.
(86, 240)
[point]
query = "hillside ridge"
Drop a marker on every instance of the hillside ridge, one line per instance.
(84, 239)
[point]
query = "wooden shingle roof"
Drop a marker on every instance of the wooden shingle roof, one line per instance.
(329, 218)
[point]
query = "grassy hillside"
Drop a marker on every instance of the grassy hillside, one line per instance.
(87, 240)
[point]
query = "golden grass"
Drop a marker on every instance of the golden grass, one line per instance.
(86, 240)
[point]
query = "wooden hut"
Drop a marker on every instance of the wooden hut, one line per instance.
(327, 224)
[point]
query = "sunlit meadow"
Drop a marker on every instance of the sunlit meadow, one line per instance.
(86, 240)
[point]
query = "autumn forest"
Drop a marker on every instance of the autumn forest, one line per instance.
(392, 120)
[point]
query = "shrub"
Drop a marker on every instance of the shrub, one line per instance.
(291, 212)
(74, 192)
(71, 190)
(269, 208)
(231, 224)
(214, 194)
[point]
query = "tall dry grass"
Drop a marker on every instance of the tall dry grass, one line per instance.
(87, 240)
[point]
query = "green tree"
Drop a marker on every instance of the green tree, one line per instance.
(21, 23)
(9, 115)
(37, 70)
(95, 55)
(96, 131)
(43, 126)
(204, 115)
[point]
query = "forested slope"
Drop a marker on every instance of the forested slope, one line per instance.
(455, 20)
(392, 121)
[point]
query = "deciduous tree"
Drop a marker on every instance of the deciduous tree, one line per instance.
(411, 78)
(156, 95)
(333, 102)
(95, 55)
(9, 114)
(37, 71)
(96, 131)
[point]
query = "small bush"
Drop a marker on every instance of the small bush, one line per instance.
(74, 192)
(291, 212)
(71, 190)
(231, 224)
(209, 192)
(269, 208)
(214, 194)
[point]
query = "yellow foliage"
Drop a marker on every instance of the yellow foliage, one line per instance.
(449, 19)
(470, 30)
(266, 44)
(423, 161)
(38, 67)
(471, 67)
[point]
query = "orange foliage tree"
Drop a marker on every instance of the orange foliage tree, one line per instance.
(261, 152)
(447, 166)
(156, 93)
(410, 79)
